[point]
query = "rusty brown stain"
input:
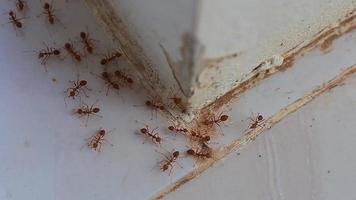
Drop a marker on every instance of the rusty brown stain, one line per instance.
(253, 134)
(325, 46)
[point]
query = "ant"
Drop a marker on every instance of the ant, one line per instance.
(124, 77)
(154, 136)
(197, 135)
(97, 140)
(49, 11)
(88, 42)
(178, 102)
(109, 57)
(168, 162)
(199, 154)
(44, 54)
(77, 87)
(106, 76)
(20, 4)
(154, 104)
(87, 111)
(214, 120)
(14, 20)
(70, 49)
(256, 121)
(176, 129)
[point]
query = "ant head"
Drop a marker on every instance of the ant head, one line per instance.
(40, 55)
(148, 103)
(259, 118)
(18, 24)
(51, 20)
(190, 152)
(95, 145)
(143, 130)
(171, 128)
(78, 58)
(129, 80)
(176, 154)
(71, 93)
(177, 100)
(158, 140)
(206, 138)
(67, 45)
(82, 82)
(90, 49)
(96, 110)
(79, 111)
(117, 54)
(83, 35)
(161, 108)
(102, 132)
(11, 13)
(105, 74)
(103, 61)
(224, 117)
(46, 5)
(56, 52)
(116, 86)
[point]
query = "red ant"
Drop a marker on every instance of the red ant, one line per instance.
(154, 104)
(176, 129)
(49, 11)
(70, 49)
(109, 57)
(14, 20)
(97, 140)
(124, 77)
(154, 136)
(178, 102)
(77, 87)
(44, 54)
(87, 111)
(197, 135)
(168, 162)
(216, 120)
(256, 121)
(88, 46)
(20, 4)
(106, 76)
(199, 154)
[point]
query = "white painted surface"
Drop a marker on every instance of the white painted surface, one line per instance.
(308, 155)
(43, 152)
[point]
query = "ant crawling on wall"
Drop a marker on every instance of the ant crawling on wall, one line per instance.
(77, 87)
(86, 110)
(95, 142)
(168, 161)
(256, 121)
(199, 153)
(151, 134)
